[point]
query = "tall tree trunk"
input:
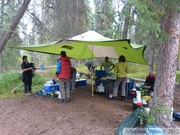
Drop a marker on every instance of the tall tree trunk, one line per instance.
(1, 28)
(167, 61)
(152, 52)
(14, 24)
(178, 66)
(126, 21)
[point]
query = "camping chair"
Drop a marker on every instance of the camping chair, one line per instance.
(131, 121)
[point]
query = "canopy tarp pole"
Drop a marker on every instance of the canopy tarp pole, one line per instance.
(92, 76)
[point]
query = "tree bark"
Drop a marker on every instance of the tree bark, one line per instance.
(1, 28)
(14, 24)
(178, 66)
(126, 22)
(166, 68)
(152, 52)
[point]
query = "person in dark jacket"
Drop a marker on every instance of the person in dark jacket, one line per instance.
(73, 79)
(150, 79)
(63, 72)
(26, 75)
(90, 68)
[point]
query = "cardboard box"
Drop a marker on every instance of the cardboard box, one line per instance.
(48, 88)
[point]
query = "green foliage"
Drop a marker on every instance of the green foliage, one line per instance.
(50, 74)
(137, 71)
(82, 68)
(104, 17)
(148, 119)
(134, 68)
(38, 79)
(143, 89)
(178, 76)
(141, 71)
(8, 81)
(38, 82)
(11, 58)
(138, 75)
(158, 110)
(134, 71)
(12, 79)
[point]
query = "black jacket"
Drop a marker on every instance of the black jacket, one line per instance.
(27, 75)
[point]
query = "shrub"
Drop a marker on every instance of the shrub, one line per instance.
(12, 79)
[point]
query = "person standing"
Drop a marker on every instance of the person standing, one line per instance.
(108, 66)
(26, 75)
(73, 79)
(63, 72)
(120, 70)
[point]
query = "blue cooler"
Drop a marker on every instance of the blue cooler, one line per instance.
(81, 82)
(48, 87)
(100, 73)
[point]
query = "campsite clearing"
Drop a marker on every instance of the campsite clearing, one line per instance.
(84, 115)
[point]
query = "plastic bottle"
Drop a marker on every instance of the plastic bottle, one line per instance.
(101, 87)
(54, 81)
(52, 93)
(138, 95)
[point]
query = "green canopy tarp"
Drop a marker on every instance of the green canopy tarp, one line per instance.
(91, 45)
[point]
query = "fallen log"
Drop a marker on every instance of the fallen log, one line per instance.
(14, 90)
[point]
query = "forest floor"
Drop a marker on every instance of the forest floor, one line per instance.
(84, 115)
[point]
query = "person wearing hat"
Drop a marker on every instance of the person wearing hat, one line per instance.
(108, 66)
(91, 67)
(63, 73)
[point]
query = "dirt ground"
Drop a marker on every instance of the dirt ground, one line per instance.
(84, 115)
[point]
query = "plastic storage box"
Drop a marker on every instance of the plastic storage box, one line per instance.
(48, 88)
(131, 94)
(153, 130)
(100, 73)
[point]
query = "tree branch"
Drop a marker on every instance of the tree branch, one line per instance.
(14, 24)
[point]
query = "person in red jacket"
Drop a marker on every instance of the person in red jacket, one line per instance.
(63, 72)
(150, 79)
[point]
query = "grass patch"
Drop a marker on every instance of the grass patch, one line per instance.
(137, 71)
(134, 70)
(12, 79)
(50, 74)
